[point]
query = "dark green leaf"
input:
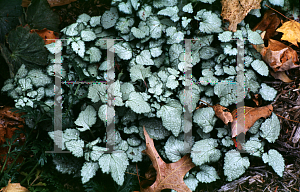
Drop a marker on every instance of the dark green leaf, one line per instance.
(5, 54)
(40, 16)
(26, 48)
(10, 10)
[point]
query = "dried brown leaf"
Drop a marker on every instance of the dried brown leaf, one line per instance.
(251, 116)
(168, 176)
(235, 11)
(46, 34)
(281, 75)
(14, 187)
(269, 23)
(222, 113)
(52, 3)
(279, 56)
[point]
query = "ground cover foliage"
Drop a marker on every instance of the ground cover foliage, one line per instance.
(38, 170)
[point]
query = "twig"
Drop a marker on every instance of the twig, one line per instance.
(205, 103)
(288, 119)
(233, 184)
(137, 171)
(276, 98)
(29, 174)
(267, 186)
(279, 12)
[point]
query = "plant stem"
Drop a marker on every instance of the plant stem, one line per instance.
(23, 147)
(72, 102)
(29, 173)
(6, 158)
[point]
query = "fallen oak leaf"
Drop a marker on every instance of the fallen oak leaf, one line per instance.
(168, 176)
(251, 116)
(290, 30)
(14, 187)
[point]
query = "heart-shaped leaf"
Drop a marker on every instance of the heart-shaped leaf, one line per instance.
(40, 16)
(26, 48)
(9, 13)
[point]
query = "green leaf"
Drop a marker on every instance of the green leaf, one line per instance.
(171, 116)
(123, 50)
(235, 165)
(188, 8)
(116, 164)
(268, 93)
(88, 171)
(87, 35)
(260, 67)
(172, 12)
(137, 103)
(102, 113)
(155, 27)
(125, 7)
(26, 48)
(254, 37)
(139, 72)
(10, 11)
(40, 16)
(204, 151)
(207, 174)
(76, 147)
(144, 58)
(275, 160)
(225, 36)
(97, 92)
(270, 129)
(95, 54)
(174, 149)
(226, 93)
(79, 48)
(153, 127)
(205, 118)
(253, 147)
(86, 118)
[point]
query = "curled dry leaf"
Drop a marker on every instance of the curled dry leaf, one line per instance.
(291, 31)
(222, 113)
(235, 11)
(168, 176)
(251, 116)
(14, 187)
(269, 23)
(279, 56)
(46, 34)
